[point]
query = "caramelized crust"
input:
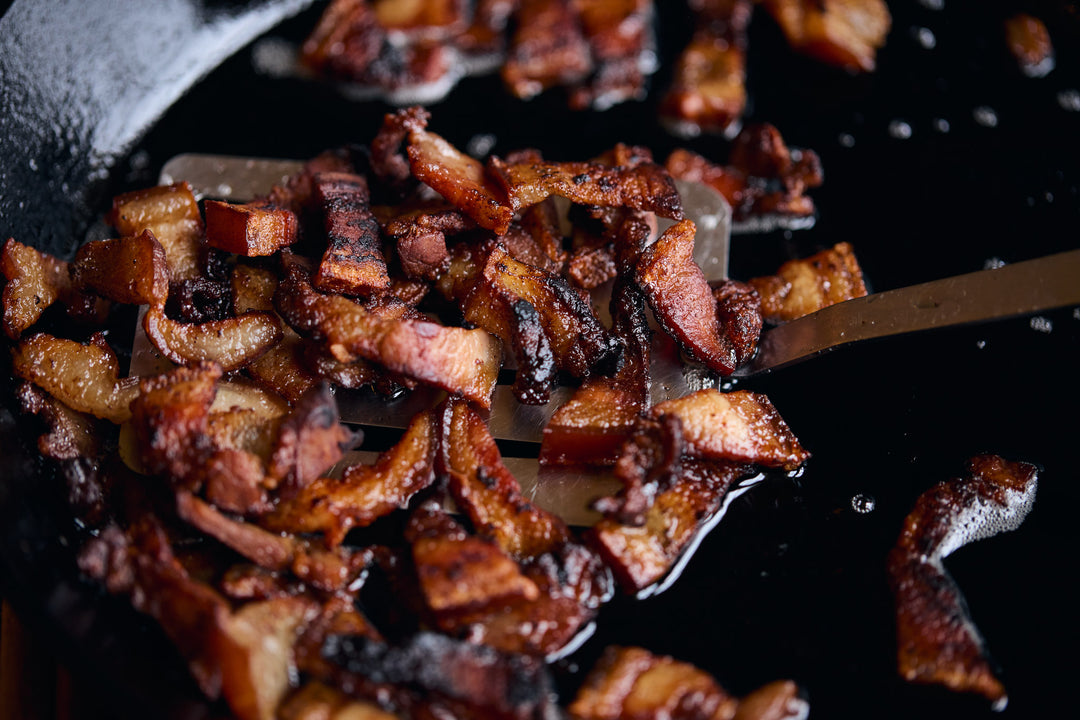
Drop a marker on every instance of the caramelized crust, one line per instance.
(230, 343)
(131, 270)
(34, 281)
(936, 639)
(801, 287)
(254, 229)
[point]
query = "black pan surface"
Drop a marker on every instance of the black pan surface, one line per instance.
(943, 161)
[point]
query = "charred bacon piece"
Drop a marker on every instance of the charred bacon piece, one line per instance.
(199, 299)
(708, 92)
(643, 186)
(471, 681)
(803, 286)
(547, 48)
(576, 337)
(649, 462)
(1029, 42)
(421, 239)
(642, 554)
(763, 176)
(69, 434)
(172, 214)
(364, 493)
(936, 640)
(738, 309)
(353, 262)
(618, 33)
(590, 428)
(85, 377)
(255, 229)
(844, 33)
(682, 300)
(740, 426)
(487, 492)
(457, 360)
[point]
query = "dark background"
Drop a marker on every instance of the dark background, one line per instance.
(791, 584)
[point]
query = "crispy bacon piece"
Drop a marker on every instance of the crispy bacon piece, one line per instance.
(83, 377)
(353, 262)
(641, 555)
(458, 178)
(34, 282)
(844, 33)
(682, 299)
(484, 489)
(936, 640)
(459, 572)
(338, 616)
(310, 440)
(547, 48)
(132, 270)
(421, 239)
(460, 361)
(199, 300)
(346, 39)
(741, 426)
(365, 492)
(318, 701)
(708, 92)
(618, 34)
(231, 343)
(432, 18)
(649, 462)
(632, 682)
(253, 229)
(451, 676)
(803, 286)
(644, 186)
(486, 35)
(1029, 42)
(590, 428)
(388, 160)
(172, 214)
(69, 434)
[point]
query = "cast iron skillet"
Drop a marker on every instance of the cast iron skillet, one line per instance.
(944, 160)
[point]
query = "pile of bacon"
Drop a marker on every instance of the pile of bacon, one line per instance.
(601, 51)
(422, 584)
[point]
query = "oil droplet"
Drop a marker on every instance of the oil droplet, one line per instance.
(33, 164)
(985, 116)
(1069, 100)
(480, 145)
(933, 4)
(1076, 314)
(899, 130)
(863, 503)
(993, 263)
(1041, 324)
(981, 344)
(925, 37)
(847, 140)
(941, 125)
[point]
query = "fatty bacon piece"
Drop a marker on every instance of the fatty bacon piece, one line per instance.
(432, 675)
(683, 302)
(364, 493)
(255, 229)
(936, 639)
(806, 285)
(171, 213)
(632, 682)
(231, 343)
(460, 361)
(844, 33)
(353, 263)
(590, 428)
(739, 426)
(708, 92)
